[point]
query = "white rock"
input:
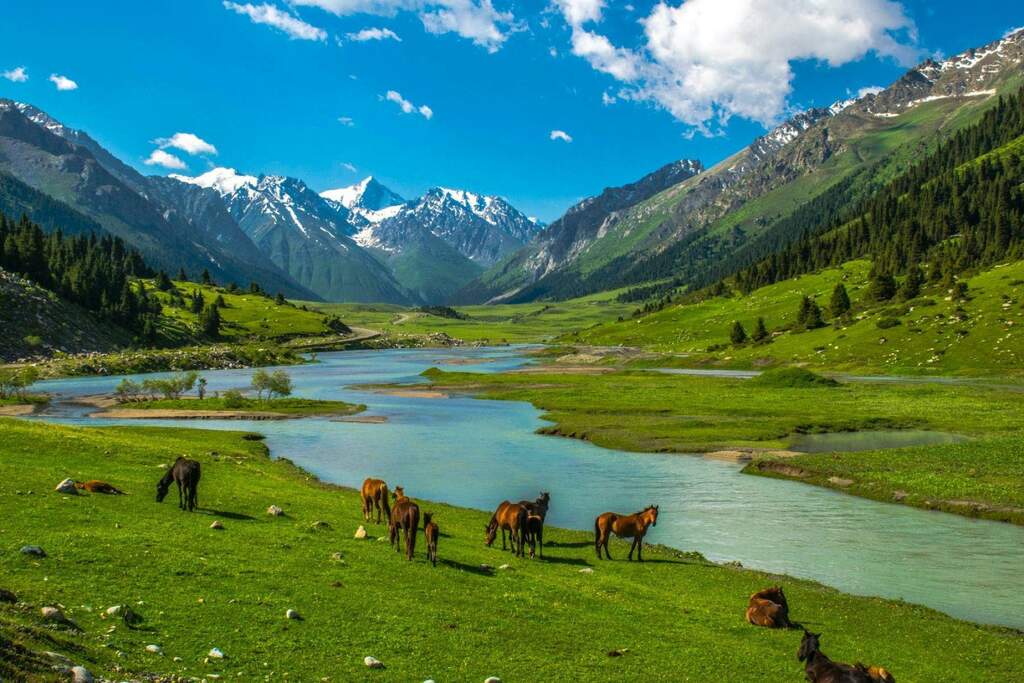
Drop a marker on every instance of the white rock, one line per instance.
(52, 614)
(155, 649)
(505, 567)
(587, 570)
(373, 662)
(79, 674)
(67, 486)
(492, 679)
(360, 532)
(274, 511)
(115, 610)
(292, 614)
(217, 524)
(215, 653)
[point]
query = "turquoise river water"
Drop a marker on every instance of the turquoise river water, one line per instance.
(476, 453)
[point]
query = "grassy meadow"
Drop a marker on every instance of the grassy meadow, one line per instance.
(653, 412)
(674, 618)
(284, 406)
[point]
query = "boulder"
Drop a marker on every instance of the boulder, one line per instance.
(292, 614)
(115, 610)
(215, 653)
(587, 570)
(360, 532)
(67, 486)
(320, 525)
(33, 550)
(154, 649)
(373, 662)
(492, 679)
(217, 524)
(79, 674)
(275, 511)
(53, 614)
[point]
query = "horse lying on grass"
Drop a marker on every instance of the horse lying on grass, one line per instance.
(97, 486)
(820, 669)
(769, 608)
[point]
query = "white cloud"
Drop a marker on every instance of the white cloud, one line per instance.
(553, 52)
(407, 106)
(187, 142)
(346, 121)
(18, 75)
(162, 158)
(477, 20)
(560, 135)
(63, 82)
(349, 167)
(708, 60)
(607, 99)
(295, 28)
(373, 34)
(869, 90)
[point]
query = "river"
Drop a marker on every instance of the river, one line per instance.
(475, 453)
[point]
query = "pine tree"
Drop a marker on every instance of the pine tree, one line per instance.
(760, 331)
(839, 305)
(737, 334)
(182, 275)
(808, 317)
(197, 302)
(210, 322)
(163, 283)
(279, 299)
(911, 286)
(206, 277)
(882, 287)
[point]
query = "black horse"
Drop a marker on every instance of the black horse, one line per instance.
(185, 473)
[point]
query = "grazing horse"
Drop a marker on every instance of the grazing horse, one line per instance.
(374, 494)
(624, 526)
(405, 518)
(431, 532)
(511, 517)
(185, 473)
(820, 669)
(96, 486)
(769, 608)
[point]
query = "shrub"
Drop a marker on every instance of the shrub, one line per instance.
(737, 335)
(886, 323)
(793, 378)
(233, 399)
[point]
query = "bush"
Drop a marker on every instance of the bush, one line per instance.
(792, 378)
(886, 323)
(233, 399)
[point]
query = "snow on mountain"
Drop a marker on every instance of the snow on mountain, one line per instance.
(367, 194)
(223, 180)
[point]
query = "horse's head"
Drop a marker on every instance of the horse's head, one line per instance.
(651, 515)
(491, 533)
(544, 499)
(162, 487)
(810, 644)
(399, 492)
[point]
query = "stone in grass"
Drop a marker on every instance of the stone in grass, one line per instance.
(215, 653)
(217, 524)
(79, 674)
(54, 614)
(33, 550)
(154, 649)
(67, 486)
(292, 614)
(373, 662)
(492, 679)
(587, 570)
(360, 532)
(320, 525)
(275, 511)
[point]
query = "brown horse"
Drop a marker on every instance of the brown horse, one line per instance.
(405, 518)
(96, 486)
(820, 669)
(431, 532)
(510, 517)
(878, 674)
(185, 473)
(769, 608)
(374, 494)
(624, 526)
(536, 513)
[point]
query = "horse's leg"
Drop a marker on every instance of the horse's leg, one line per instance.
(597, 539)
(540, 541)
(631, 548)
(607, 537)
(181, 501)
(639, 548)
(503, 539)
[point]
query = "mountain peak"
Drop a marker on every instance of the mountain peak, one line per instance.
(368, 194)
(223, 180)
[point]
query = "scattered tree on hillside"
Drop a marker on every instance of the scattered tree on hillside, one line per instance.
(808, 317)
(882, 286)
(163, 282)
(196, 302)
(206, 277)
(839, 305)
(182, 275)
(209, 321)
(737, 334)
(760, 331)
(280, 300)
(910, 288)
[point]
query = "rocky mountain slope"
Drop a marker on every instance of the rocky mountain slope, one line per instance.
(683, 231)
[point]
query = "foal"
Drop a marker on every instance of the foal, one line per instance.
(820, 669)
(374, 494)
(185, 473)
(769, 608)
(536, 513)
(405, 517)
(431, 532)
(623, 526)
(97, 486)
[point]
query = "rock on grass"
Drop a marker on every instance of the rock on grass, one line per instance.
(373, 662)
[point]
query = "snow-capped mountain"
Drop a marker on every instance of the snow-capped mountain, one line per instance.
(304, 234)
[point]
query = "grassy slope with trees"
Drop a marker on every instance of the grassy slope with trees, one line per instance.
(673, 618)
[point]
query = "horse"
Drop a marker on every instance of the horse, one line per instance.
(820, 669)
(511, 517)
(374, 494)
(185, 473)
(536, 513)
(96, 486)
(405, 517)
(431, 532)
(877, 674)
(623, 526)
(769, 608)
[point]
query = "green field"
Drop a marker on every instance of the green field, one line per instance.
(653, 412)
(674, 618)
(497, 323)
(286, 406)
(933, 334)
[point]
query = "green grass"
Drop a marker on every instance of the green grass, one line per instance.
(212, 357)
(650, 412)
(792, 378)
(511, 323)
(246, 316)
(26, 399)
(287, 406)
(980, 478)
(677, 617)
(935, 335)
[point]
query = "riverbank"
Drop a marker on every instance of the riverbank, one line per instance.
(198, 588)
(242, 408)
(650, 412)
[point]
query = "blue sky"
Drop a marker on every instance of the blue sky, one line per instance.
(293, 87)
